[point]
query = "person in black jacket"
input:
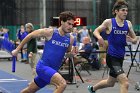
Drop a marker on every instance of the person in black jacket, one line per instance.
(31, 49)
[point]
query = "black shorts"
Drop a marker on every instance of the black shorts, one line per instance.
(115, 64)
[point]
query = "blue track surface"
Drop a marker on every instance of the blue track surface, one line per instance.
(12, 84)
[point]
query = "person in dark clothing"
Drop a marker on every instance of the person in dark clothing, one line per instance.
(86, 48)
(84, 52)
(31, 49)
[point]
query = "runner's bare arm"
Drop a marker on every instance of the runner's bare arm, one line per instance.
(37, 33)
(105, 25)
(133, 38)
(71, 43)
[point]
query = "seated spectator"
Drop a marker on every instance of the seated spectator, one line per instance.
(85, 54)
(86, 48)
(84, 51)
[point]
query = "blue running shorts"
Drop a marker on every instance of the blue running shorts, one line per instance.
(44, 73)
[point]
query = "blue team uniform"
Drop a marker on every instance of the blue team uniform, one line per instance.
(6, 35)
(116, 48)
(49, 64)
(22, 35)
(117, 39)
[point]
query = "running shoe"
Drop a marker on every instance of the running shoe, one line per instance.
(89, 89)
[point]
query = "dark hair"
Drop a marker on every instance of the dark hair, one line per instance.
(67, 15)
(118, 5)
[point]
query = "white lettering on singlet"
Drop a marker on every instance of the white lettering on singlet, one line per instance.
(59, 43)
(120, 32)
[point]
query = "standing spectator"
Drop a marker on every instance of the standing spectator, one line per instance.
(31, 49)
(74, 33)
(5, 33)
(21, 35)
(83, 33)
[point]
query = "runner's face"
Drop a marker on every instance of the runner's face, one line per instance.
(67, 26)
(122, 13)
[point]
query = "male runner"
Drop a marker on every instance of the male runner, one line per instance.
(58, 42)
(120, 29)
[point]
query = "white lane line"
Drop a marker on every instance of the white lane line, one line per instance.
(12, 80)
(8, 79)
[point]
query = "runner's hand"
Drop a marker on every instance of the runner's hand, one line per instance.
(15, 52)
(101, 42)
